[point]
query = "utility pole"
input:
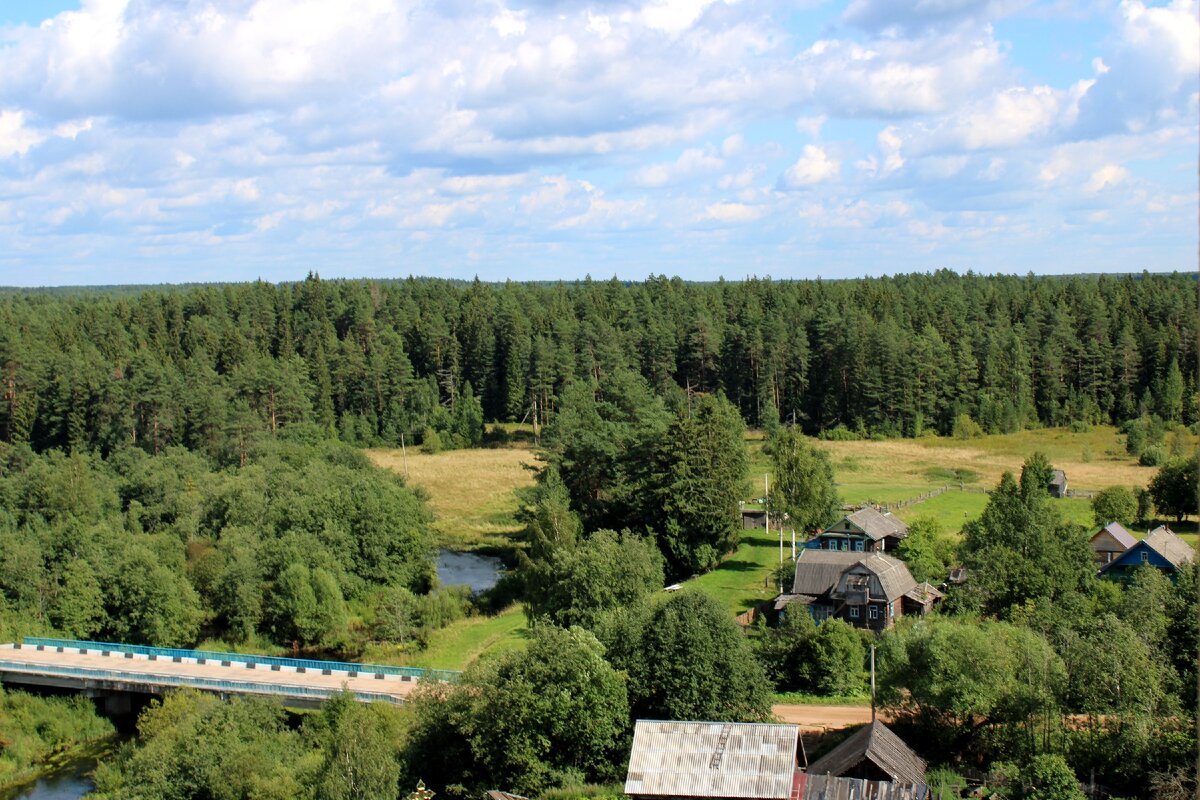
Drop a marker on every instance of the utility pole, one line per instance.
(404, 454)
(872, 683)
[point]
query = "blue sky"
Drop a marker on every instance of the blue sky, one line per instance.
(148, 141)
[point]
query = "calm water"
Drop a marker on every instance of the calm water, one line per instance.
(69, 783)
(468, 569)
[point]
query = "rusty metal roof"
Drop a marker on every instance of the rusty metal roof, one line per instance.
(712, 759)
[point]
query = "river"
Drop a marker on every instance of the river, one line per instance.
(68, 782)
(480, 573)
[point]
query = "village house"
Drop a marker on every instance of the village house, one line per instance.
(868, 590)
(866, 530)
(1058, 484)
(1161, 549)
(1111, 541)
(750, 761)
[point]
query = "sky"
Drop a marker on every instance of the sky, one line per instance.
(218, 140)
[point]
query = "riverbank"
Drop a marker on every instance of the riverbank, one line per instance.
(62, 775)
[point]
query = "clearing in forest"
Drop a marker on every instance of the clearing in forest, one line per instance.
(472, 493)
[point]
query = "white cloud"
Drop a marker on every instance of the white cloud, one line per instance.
(734, 212)
(811, 126)
(814, 166)
(1106, 177)
(507, 23)
(691, 162)
(15, 138)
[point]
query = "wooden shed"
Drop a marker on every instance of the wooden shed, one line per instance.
(872, 753)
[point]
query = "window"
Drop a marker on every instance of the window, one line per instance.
(1145, 557)
(858, 545)
(845, 544)
(853, 612)
(873, 612)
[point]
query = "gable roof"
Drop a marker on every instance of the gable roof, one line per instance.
(712, 759)
(1175, 550)
(1117, 531)
(1059, 478)
(877, 743)
(877, 524)
(924, 592)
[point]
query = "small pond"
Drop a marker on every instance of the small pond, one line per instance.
(478, 572)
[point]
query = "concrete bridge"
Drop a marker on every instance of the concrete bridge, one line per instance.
(115, 671)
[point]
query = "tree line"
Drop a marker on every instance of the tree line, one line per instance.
(380, 362)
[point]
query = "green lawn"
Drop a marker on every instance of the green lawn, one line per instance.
(457, 645)
(744, 579)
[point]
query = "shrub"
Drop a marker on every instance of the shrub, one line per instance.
(840, 434)
(1153, 456)
(966, 428)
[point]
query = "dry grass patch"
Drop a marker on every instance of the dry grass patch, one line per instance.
(471, 492)
(1092, 460)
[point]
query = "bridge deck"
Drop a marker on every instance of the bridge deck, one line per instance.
(234, 678)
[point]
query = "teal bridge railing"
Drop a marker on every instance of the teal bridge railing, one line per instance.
(413, 673)
(213, 684)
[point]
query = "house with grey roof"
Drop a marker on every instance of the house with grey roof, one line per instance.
(750, 761)
(873, 753)
(1161, 549)
(868, 590)
(865, 530)
(1058, 484)
(1110, 542)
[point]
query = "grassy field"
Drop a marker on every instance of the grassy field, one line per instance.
(457, 645)
(471, 492)
(744, 579)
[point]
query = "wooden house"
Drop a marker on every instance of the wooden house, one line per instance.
(1058, 484)
(1110, 542)
(872, 753)
(868, 590)
(866, 530)
(1161, 549)
(751, 761)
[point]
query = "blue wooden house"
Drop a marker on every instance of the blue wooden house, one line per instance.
(865, 531)
(1161, 549)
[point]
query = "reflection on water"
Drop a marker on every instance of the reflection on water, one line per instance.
(68, 783)
(478, 572)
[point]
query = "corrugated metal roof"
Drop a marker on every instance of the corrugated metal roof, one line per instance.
(712, 759)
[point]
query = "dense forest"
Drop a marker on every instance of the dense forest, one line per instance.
(375, 362)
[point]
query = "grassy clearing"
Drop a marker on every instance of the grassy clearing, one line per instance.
(471, 492)
(744, 579)
(1095, 459)
(458, 644)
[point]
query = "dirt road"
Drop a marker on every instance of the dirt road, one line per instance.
(824, 717)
